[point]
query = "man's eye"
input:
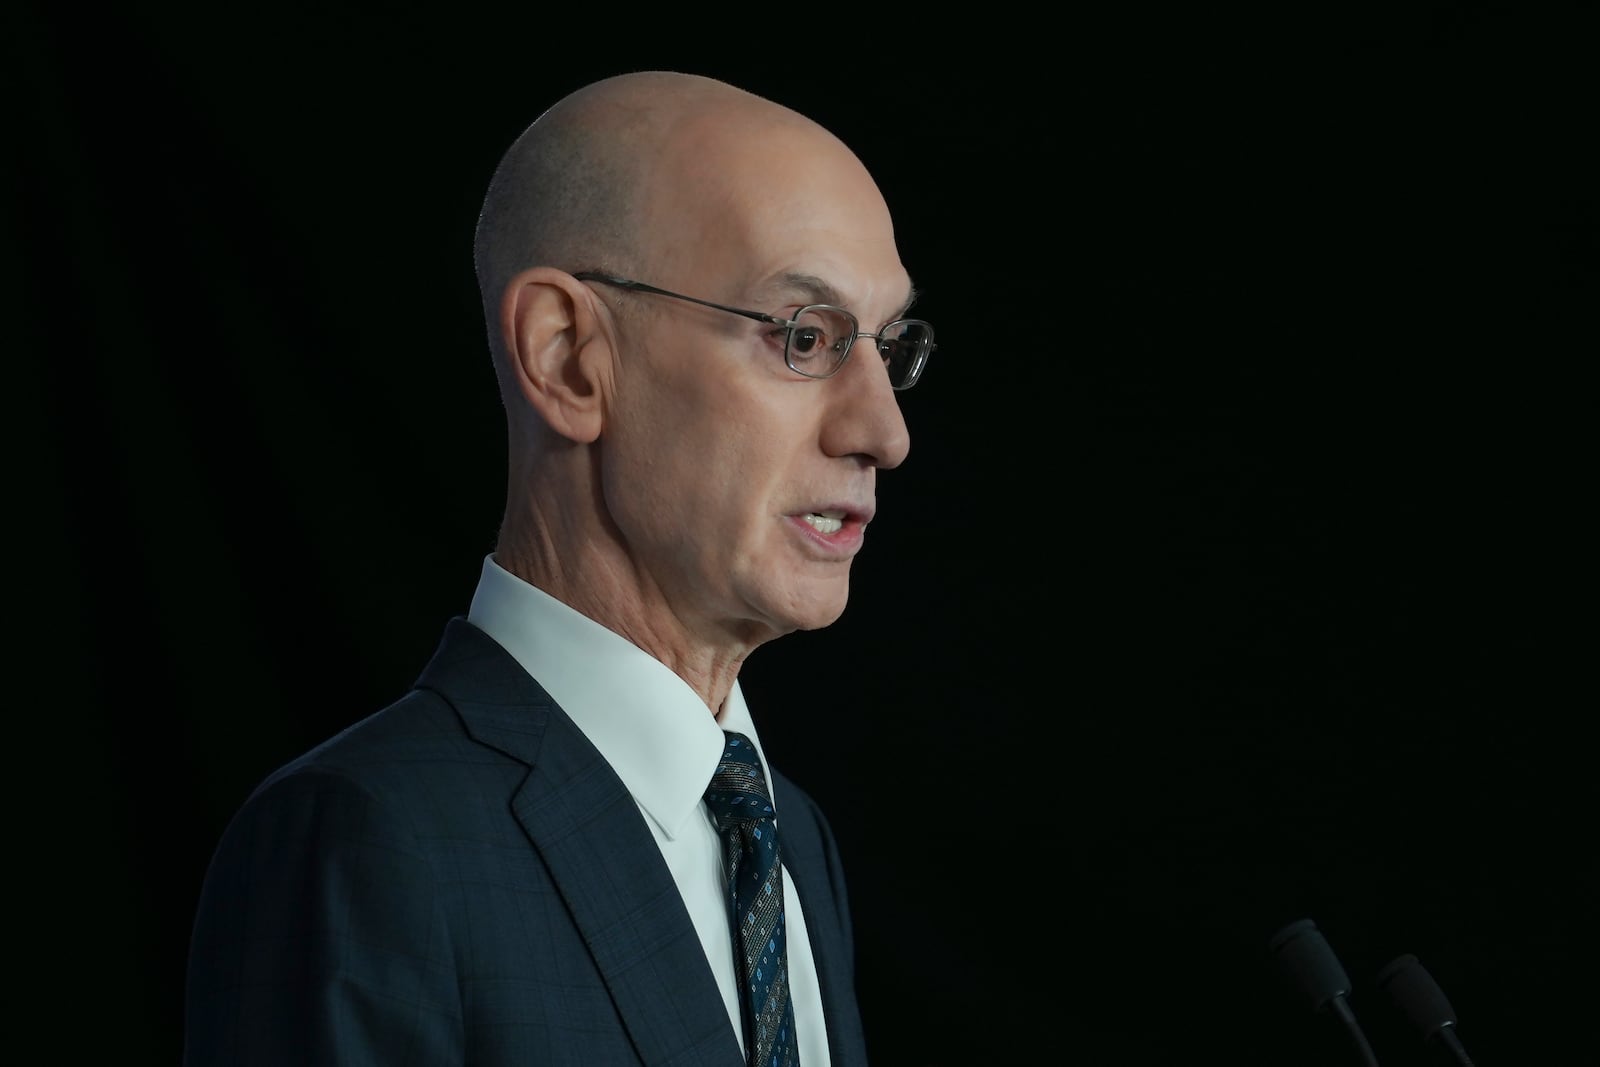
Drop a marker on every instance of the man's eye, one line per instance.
(807, 339)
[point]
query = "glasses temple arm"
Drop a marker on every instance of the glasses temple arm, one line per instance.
(628, 283)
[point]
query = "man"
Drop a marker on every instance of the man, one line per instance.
(517, 862)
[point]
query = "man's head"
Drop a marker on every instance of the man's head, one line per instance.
(661, 449)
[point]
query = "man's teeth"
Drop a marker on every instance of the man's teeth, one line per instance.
(825, 521)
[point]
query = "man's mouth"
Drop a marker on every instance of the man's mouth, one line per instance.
(825, 522)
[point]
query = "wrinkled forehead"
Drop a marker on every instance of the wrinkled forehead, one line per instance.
(771, 213)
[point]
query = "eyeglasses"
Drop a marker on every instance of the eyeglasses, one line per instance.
(820, 336)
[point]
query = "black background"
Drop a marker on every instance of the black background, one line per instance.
(1238, 573)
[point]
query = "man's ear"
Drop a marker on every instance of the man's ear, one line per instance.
(558, 349)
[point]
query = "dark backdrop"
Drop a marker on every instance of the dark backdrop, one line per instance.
(1238, 573)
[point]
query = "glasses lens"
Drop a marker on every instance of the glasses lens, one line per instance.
(905, 346)
(819, 340)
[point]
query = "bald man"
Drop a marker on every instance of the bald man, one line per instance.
(698, 318)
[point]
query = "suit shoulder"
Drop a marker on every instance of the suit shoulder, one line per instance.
(415, 745)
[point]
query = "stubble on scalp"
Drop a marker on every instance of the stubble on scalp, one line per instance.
(570, 191)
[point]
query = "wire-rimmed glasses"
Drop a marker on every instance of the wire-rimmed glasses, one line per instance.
(819, 337)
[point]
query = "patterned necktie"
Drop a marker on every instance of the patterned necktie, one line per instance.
(739, 802)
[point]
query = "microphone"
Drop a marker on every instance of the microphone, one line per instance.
(1309, 963)
(1412, 989)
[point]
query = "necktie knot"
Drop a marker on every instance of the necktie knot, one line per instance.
(738, 790)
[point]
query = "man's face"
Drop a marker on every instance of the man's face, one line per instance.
(741, 489)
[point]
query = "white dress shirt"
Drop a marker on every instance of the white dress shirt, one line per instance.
(655, 732)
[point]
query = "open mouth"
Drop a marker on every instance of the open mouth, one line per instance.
(825, 522)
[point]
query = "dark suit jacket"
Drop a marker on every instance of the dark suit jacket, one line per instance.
(461, 878)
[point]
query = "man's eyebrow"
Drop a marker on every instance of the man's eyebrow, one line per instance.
(811, 287)
(912, 292)
(817, 291)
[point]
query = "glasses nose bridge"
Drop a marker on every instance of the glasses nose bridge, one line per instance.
(854, 338)
(849, 347)
(876, 338)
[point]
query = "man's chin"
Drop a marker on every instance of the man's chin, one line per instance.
(820, 611)
(801, 605)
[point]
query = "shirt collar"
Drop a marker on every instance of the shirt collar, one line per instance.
(648, 723)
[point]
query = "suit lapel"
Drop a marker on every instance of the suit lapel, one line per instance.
(808, 864)
(600, 854)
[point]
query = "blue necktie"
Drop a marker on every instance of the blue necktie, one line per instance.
(739, 802)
